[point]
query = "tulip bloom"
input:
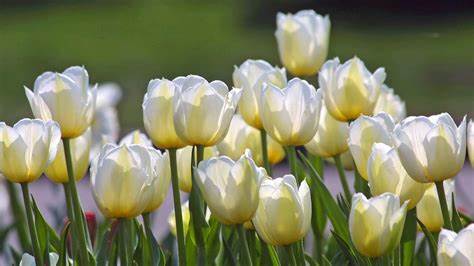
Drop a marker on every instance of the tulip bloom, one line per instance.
(428, 209)
(230, 188)
(331, 137)
(376, 224)
(158, 111)
(303, 40)
(291, 115)
(80, 153)
(136, 137)
(203, 110)
(363, 133)
(386, 174)
(456, 248)
(252, 76)
(28, 260)
(183, 160)
(65, 98)
(27, 148)
(123, 179)
(432, 148)
(470, 141)
(186, 217)
(242, 136)
(350, 90)
(391, 104)
(283, 215)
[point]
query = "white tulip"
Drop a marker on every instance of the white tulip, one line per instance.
(203, 110)
(252, 76)
(431, 148)
(386, 174)
(376, 224)
(331, 137)
(136, 137)
(470, 141)
(27, 148)
(283, 215)
(28, 260)
(391, 104)
(366, 131)
(350, 90)
(230, 188)
(291, 115)
(428, 209)
(303, 40)
(456, 248)
(65, 98)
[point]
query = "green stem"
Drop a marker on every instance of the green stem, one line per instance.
(18, 215)
(177, 207)
(70, 215)
(196, 203)
(318, 164)
(31, 224)
(126, 240)
(291, 255)
(79, 221)
(444, 205)
(266, 162)
(342, 177)
(147, 220)
(292, 161)
(409, 238)
(244, 251)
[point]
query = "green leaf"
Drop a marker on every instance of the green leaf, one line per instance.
(345, 247)
(431, 240)
(16, 256)
(456, 220)
(344, 205)
(212, 242)
(157, 255)
(227, 241)
(309, 260)
(45, 231)
(63, 257)
(408, 239)
(4, 234)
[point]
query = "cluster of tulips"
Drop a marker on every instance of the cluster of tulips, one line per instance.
(238, 212)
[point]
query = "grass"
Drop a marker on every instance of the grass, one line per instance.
(431, 67)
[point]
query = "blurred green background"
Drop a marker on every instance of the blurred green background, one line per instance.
(429, 58)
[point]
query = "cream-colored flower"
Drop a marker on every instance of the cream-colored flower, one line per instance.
(230, 188)
(80, 153)
(391, 104)
(456, 248)
(158, 105)
(470, 142)
(183, 159)
(27, 148)
(203, 110)
(185, 213)
(428, 209)
(284, 213)
(242, 136)
(252, 76)
(291, 115)
(350, 90)
(303, 40)
(65, 98)
(331, 137)
(431, 148)
(376, 224)
(136, 137)
(28, 260)
(365, 132)
(386, 174)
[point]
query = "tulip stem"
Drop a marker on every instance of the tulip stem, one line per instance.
(292, 161)
(78, 221)
(291, 255)
(31, 224)
(147, 220)
(195, 203)
(266, 162)
(125, 241)
(177, 207)
(70, 215)
(444, 206)
(18, 215)
(342, 177)
(408, 238)
(244, 249)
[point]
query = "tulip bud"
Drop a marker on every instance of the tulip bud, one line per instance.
(252, 76)
(242, 136)
(303, 40)
(346, 160)
(456, 248)
(376, 224)
(80, 152)
(365, 132)
(230, 188)
(350, 90)
(186, 217)
(470, 142)
(428, 209)
(183, 159)
(136, 137)
(431, 148)
(123, 179)
(283, 215)
(331, 137)
(203, 110)
(65, 98)
(386, 174)
(27, 148)
(158, 114)
(28, 260)
(291, 115)
(391, 104)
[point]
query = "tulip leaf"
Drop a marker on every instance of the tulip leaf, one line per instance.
(44, 230)
(157, 255)
(344, 205)
(456, 220)
(63, 257)
(346, 249)
(212, 240)
(309, 260)
(335, 214)
(431, 240)
(16, 256)
(408, 239)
